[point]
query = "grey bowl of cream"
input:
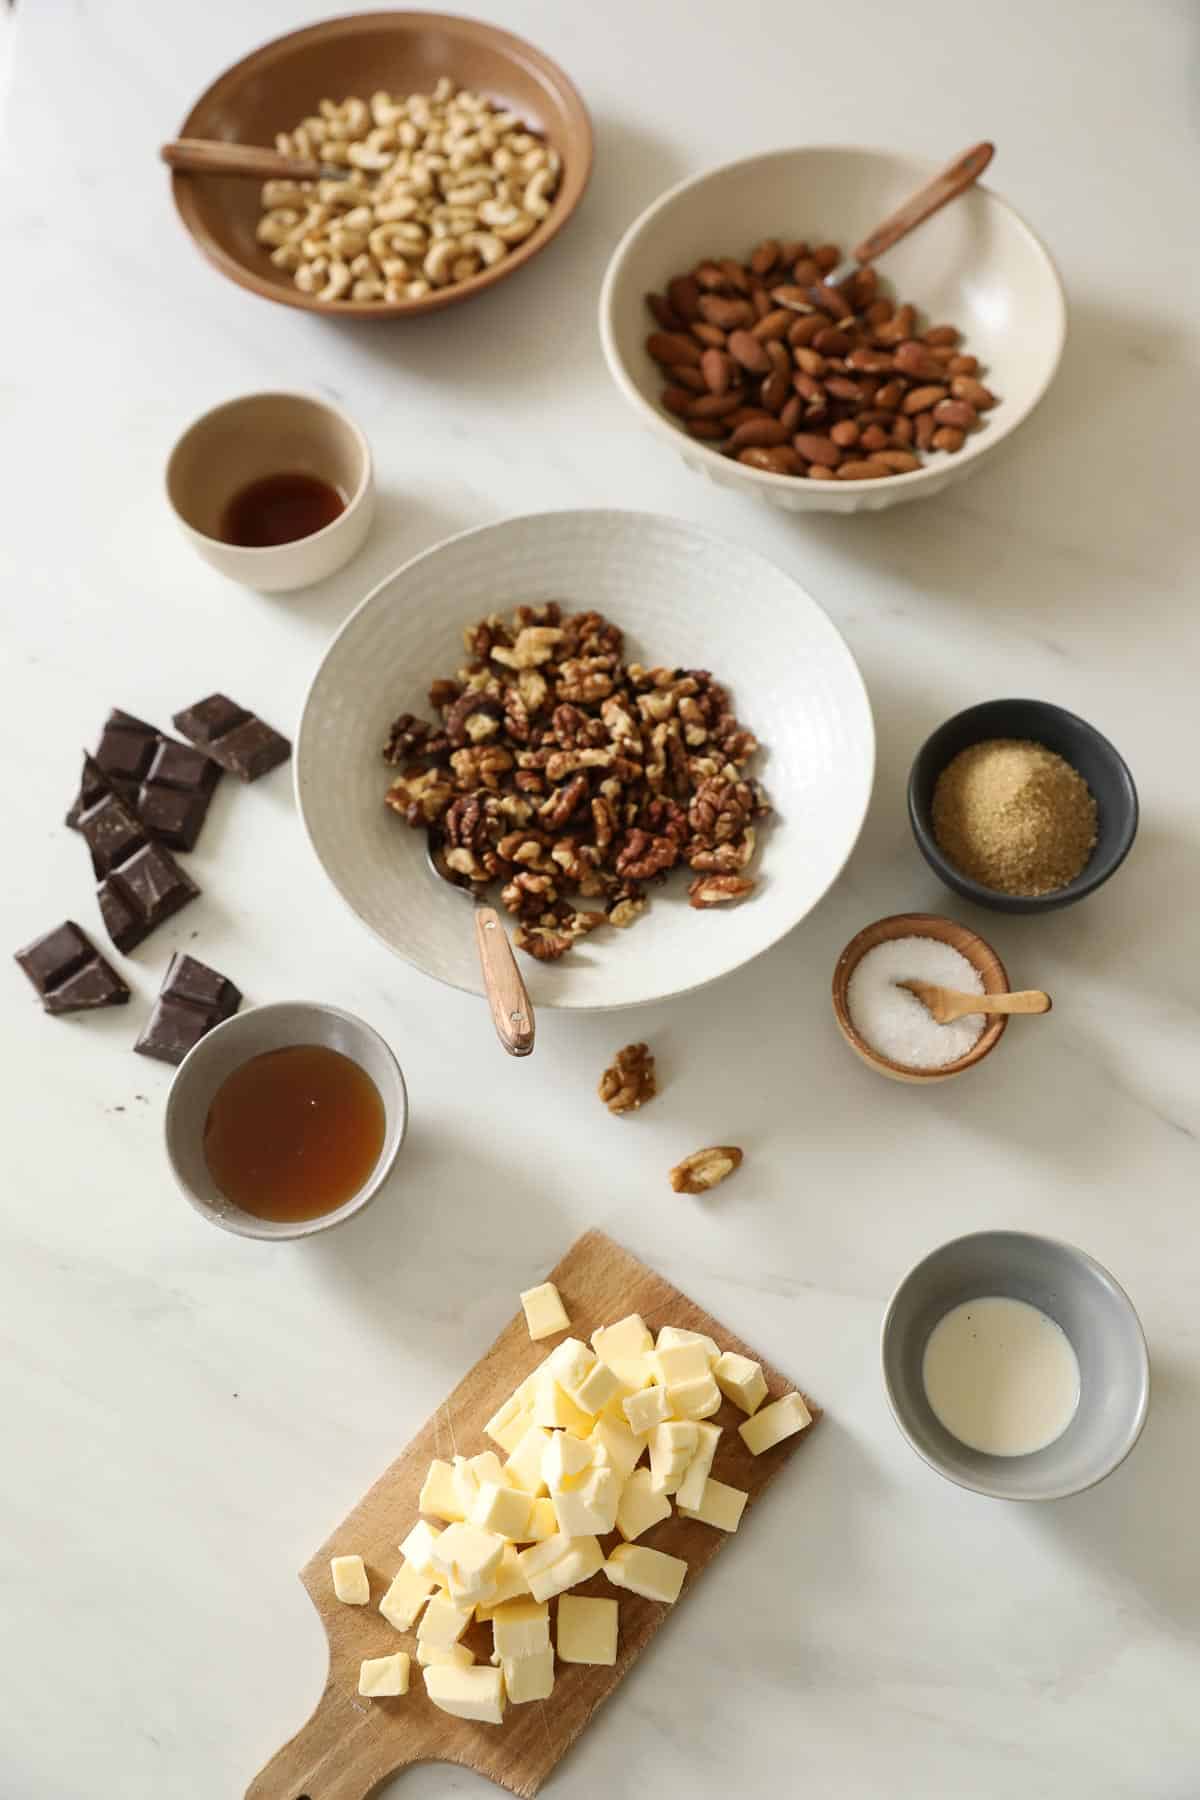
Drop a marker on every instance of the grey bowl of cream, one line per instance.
(1079, 1296)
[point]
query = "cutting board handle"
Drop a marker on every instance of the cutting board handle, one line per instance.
(336, 1755)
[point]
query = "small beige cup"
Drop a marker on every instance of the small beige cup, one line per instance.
(271, 434)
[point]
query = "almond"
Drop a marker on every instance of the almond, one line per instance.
(923, 398)
(871, 469)
(673, 348)
(758, 434)
(817, 449)
(746, 349)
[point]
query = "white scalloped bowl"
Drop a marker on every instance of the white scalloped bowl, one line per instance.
(683, 598)
(976, 264)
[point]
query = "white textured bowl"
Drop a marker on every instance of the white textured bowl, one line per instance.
(975, 264)
(683, 597)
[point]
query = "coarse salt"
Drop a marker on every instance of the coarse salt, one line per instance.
(893, 1021)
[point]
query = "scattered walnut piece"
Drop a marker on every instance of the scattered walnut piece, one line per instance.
(719, 890)
(630, 1082)
(703, 1169)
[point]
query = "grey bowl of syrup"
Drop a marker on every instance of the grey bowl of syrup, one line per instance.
(286, 1120)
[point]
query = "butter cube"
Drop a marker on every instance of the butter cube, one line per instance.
(623, 1347)
(469, 1474)
(639, 1508)
(507, 1583)
(566, 1461)
(675, 1363)
(555, 1410)
(509, 1423)
(524, 1467)
(587, 1630)
(591, 1507)
(438, 1495)
(568, 1363)
(350, 1582)
(623, 1449)
(466, 1556)
(455, 1656)
(671, 1335)
(522, 1628)
(384, 1675)
(782, 1419)
(529, 1677)
(597, 1388)
(583, 1558)
(720, 1505)
(544, 1311)
(741, 1381)
(644, 1410)
(544, 1555)
(672, 1447)
(443, 1622)
(467, 1693)
(690, 1489)
(503, 1510)
(543, 1523)
(417, 1548)
(405, 1597)
(650, 1573)
(697, 1399)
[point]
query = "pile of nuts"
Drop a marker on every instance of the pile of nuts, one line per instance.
(777, 368)
(567, 774)
(441, 186)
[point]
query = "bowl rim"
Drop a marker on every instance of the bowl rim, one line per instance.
(1098, 1271)
(1093, 875)
(849, 960)
(255, 551)
(762, 478)
(299, 769)
(576, 172)
(239, 1222)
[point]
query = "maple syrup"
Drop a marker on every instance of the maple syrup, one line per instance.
(294, 1133)
(278, 509)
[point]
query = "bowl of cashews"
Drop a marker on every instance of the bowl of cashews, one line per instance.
(452, 152)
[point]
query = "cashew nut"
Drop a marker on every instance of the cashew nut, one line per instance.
(276, 227)
(536, 198)
(338, 280)
(439, 260)
(489, 249)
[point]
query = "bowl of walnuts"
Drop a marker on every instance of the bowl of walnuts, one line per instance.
(442, 154)
(651, 786)
(722, 333)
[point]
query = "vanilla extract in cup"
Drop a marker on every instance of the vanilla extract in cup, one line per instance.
(294, 1133)
(279, 509)
(1001, 1376)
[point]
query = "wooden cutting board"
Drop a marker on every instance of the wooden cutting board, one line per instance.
(350, 1746)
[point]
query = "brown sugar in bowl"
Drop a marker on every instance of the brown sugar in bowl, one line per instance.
(968, 943)
(276, 86)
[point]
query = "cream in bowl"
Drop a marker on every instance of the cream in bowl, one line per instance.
(274, 490)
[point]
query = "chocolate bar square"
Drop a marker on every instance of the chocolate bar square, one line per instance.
(69, 973)
(140, 883)
(233, 737)
(166, 784)
(193, 998)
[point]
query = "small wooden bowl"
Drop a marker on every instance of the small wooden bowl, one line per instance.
(979, 954)
(274, 87)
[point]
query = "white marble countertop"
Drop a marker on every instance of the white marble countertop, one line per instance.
(186, 1414)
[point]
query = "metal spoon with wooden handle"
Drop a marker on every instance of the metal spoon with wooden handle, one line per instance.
(947, 1004)
(951, 181)
(213, 156)
(512, 1009)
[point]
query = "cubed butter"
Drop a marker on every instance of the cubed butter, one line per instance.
(624, 1450)
(640, 1507)
(590, 1508)
(443, 1622)
(522, 1628)
(381, 1676)
(470, 1472)
(583, 1559)
(566, 1461)
(438, 1495)
(650, 1573)
(644, 1410)
(690, 1488)
(544, 1555)
(623, 1347)
(350, 1582)
(529, 1677)
(596, 1389)
(672, 1447)
(543, 1523)
(568, 1363)
(697, 1399)
(507, 1583)
(417, 1548)
(406, 1596)
(555, 1410)
(720, 1505)
(770, 1426)
(544, 1311)
(467, 1555)
(587, 1630)
(503, 1510)
(455, 1655)
(670, 1335)
(509, 1423)
(476, 1693)
(741, 1381)
(676, 1363)
(524, 1467)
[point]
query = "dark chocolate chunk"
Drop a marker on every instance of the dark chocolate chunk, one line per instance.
(69, 972)
(140, 883)
(233, 737)
(193, 998)
(168, 785)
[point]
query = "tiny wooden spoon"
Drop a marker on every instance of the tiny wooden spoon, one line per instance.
(213, 156)
(947, 1004)
(945, 186)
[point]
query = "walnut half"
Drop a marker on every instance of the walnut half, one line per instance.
(703, 1169)
(631, 1081)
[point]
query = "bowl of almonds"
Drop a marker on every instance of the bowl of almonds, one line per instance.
(724, 334)
(440, 153)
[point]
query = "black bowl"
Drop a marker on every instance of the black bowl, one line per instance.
(1073, 739)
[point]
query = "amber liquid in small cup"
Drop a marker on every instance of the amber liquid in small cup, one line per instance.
(278, 509)
(293, 1134)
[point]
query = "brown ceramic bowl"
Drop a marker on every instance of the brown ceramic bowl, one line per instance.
(276, 86)
(968, 943)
